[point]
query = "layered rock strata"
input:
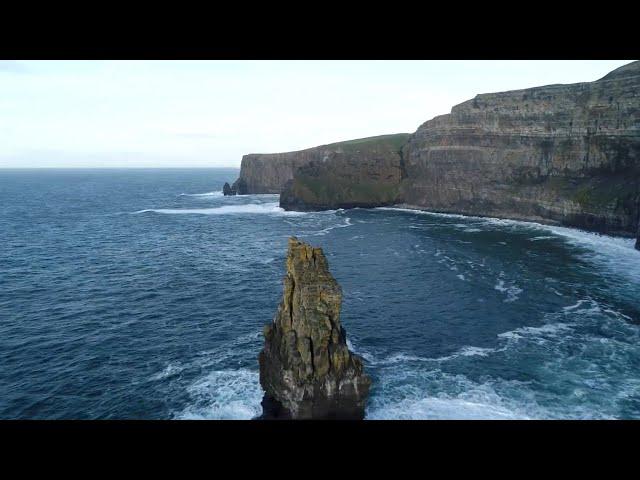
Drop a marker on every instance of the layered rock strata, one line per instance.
(563, 154)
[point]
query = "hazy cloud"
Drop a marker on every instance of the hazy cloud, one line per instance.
(211, 113)
(12, 66)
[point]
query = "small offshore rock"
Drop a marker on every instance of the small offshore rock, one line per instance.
(228, 189)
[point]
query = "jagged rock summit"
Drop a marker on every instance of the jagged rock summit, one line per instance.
(306, 369)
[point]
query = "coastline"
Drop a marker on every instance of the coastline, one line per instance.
(540, 222)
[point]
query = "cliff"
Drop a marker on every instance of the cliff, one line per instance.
(306, 369)
(559, 154)
(564, 154)
(268, 173)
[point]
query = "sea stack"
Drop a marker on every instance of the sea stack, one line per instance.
(306, 369)
(228, 189)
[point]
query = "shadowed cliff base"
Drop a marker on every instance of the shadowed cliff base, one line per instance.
(306, 369)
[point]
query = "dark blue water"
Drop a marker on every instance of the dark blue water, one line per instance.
(139, 294)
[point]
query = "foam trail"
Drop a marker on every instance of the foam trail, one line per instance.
(207, 194)
(324, 231)
(252, 208)
(433, 408)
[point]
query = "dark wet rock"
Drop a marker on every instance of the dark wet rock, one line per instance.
(306, 369)
(228, 190)
(240, 187)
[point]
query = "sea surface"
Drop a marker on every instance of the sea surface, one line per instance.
(141, 294)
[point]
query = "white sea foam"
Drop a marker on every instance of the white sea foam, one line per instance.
(433, 394)
(512, 291)
(324, 231)
(571, 357)
(548, 330)
(578, 304)
(476, 351)
(615, 253)
(466, 351)
(207, 194)
(170, 370)
(251, 208)
(541, 237)
(434, 408)
(225, 395)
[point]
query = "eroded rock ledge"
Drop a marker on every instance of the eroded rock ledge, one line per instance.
(306, 369)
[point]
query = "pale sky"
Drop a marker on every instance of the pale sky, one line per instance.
(210, 113)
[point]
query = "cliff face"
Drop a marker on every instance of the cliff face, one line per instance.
(268, 173)
(359, 173)
(306, 369)
(567, 154)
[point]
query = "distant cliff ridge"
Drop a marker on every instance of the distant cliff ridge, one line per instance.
(559, 154)
(269, 172)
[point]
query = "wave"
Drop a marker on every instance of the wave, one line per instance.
(207, 194)
(373, 359)
(325, 231)
(615, 253)
(170, 370)
(435, 408)
(433, 394)
(251, 208)
(512, 291)
(224, 395)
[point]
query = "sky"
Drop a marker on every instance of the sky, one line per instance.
(211, 113)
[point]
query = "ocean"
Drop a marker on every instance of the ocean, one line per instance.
(142, 293)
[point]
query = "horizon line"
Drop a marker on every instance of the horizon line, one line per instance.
(110, 168)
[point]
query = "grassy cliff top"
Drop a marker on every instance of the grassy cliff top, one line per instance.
(394, 140)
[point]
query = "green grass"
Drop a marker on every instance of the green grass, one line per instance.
(395, 141)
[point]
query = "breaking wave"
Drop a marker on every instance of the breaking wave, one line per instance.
(615, 253)
(224, 395)
(207, 194)
(250, 208)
